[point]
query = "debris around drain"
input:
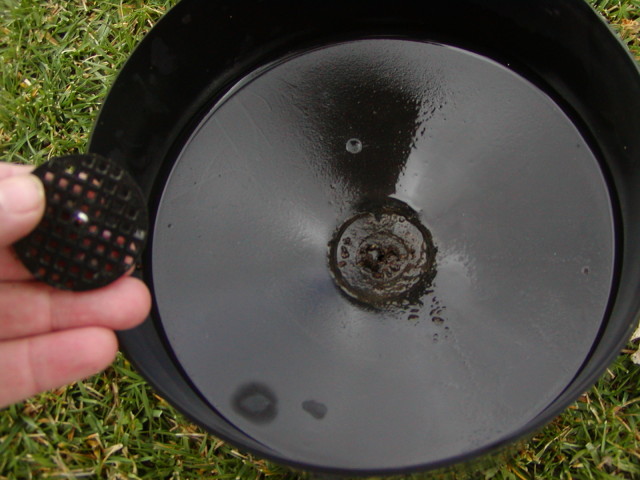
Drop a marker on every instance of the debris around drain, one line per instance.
(382, 254)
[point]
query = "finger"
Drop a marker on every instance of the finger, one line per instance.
(12, 269)
(33, 365)
(32, 308)
(21, 206)
(11, 169)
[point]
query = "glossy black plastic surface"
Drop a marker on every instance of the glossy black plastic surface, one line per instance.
(519, 214)
(286, 379)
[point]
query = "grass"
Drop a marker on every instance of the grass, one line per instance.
(57, 59)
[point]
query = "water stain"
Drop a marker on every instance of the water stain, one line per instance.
(256, 402)
(316, 409)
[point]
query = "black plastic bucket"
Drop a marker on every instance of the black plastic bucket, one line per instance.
(381, 223)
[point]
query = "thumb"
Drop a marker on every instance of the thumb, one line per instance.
(21, 207)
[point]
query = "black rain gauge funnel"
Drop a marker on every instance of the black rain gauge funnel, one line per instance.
(385, 236)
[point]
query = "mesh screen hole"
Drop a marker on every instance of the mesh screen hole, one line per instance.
(117, 206)
(111, 222)
(110, 186)
(132, 213)
(102, 166)
(124, 193)
(116, 173)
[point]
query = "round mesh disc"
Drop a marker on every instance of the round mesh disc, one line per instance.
(94, 227)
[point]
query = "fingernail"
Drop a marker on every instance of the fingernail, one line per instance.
(21, 194)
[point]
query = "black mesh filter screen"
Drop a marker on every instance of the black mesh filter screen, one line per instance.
(94, 227)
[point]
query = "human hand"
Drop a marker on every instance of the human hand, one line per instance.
(50, 337)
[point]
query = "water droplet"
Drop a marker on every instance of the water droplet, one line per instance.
(413, 317)
(436, 338)
(316, 409)
(438, 320)
(354, 146)
(256, 402)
